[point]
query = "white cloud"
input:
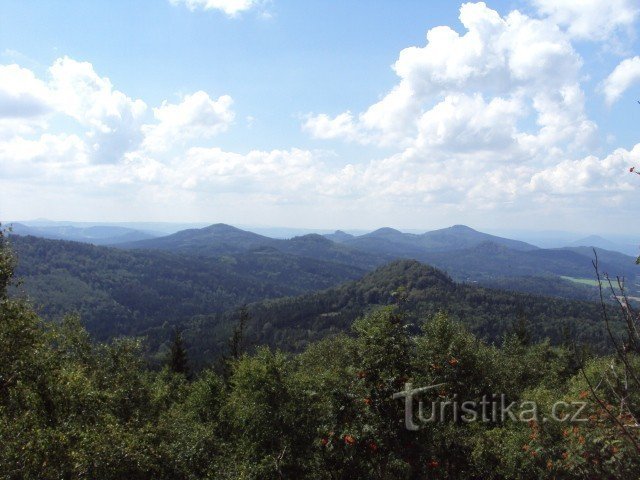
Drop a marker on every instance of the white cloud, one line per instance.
(324, 127)
(589, 175)
(464, 123)
(278, 173)
(623, 76)
(590, 19)
(230, 7)
(82, 94)
(513, 62)
(109, 122)
(197, 116)
(22, 95)
(490, 118)
(43, 157)
(113, 119)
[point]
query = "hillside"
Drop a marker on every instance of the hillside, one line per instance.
(489, 260)
(464, 253)
(126, 292)
(220, 239)
(292, 323)
(217, 239)
(96, 235)
(457, 237)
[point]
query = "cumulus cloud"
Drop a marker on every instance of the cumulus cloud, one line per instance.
(492, 117)
(111, 124)
(589, 174)
(22, 95)
(590, 19)
(341, 126)
(517, 63)
(44, 158)
(230, 7)
(110, 119)
(623, 76)
(113, 119)
(197, 116)
(82, 94)
(271, 172)
(464, 123)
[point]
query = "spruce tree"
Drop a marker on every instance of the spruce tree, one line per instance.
(178, 360)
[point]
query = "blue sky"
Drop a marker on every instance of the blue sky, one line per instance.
(321, 114)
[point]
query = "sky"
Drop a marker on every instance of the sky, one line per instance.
(322, 114)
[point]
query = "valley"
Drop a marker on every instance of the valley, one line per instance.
(298, 291)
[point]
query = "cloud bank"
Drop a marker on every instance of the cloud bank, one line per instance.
(492, 119)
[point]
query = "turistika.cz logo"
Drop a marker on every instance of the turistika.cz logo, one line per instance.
(491, 408)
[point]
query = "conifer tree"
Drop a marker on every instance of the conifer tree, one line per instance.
(178, 359)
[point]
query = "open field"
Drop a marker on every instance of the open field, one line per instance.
(585, 281)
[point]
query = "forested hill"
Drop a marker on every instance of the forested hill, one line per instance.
(457, 237)
(96, 235)
(464, 253)
(490, 261)
(220, 239)
(129, 291)
(292, 323)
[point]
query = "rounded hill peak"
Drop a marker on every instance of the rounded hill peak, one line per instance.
(220, 227)
(385, 231)
(461, 228)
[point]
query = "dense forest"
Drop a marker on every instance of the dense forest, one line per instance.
(127, 292)
(292, 299)
(73, 408)
(464, 253)
(293, 323)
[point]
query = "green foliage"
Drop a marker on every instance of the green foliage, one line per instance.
(135, 292)
(71, 408)
(294, 323)
(7, 263)
(178, 360)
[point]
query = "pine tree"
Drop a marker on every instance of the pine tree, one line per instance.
(235, 346)
(236, 342)
(178, 360)
(521, 331)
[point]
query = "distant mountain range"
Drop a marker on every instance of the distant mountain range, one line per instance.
(220, 239)
(126, 232)
(464, 253)
(458, 237)
(97, 235)
(199, 271)
(599, 242)
(197, 278)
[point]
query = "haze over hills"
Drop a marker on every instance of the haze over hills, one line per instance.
(463, 252)
(314, 261)
(600, 242)
(203, 275)
(221, 239)
(466, 254)
(390, 241)
(159, 228)
(214, 239)
(96, 234)
(627, 244)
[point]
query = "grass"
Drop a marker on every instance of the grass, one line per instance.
(584, 281)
